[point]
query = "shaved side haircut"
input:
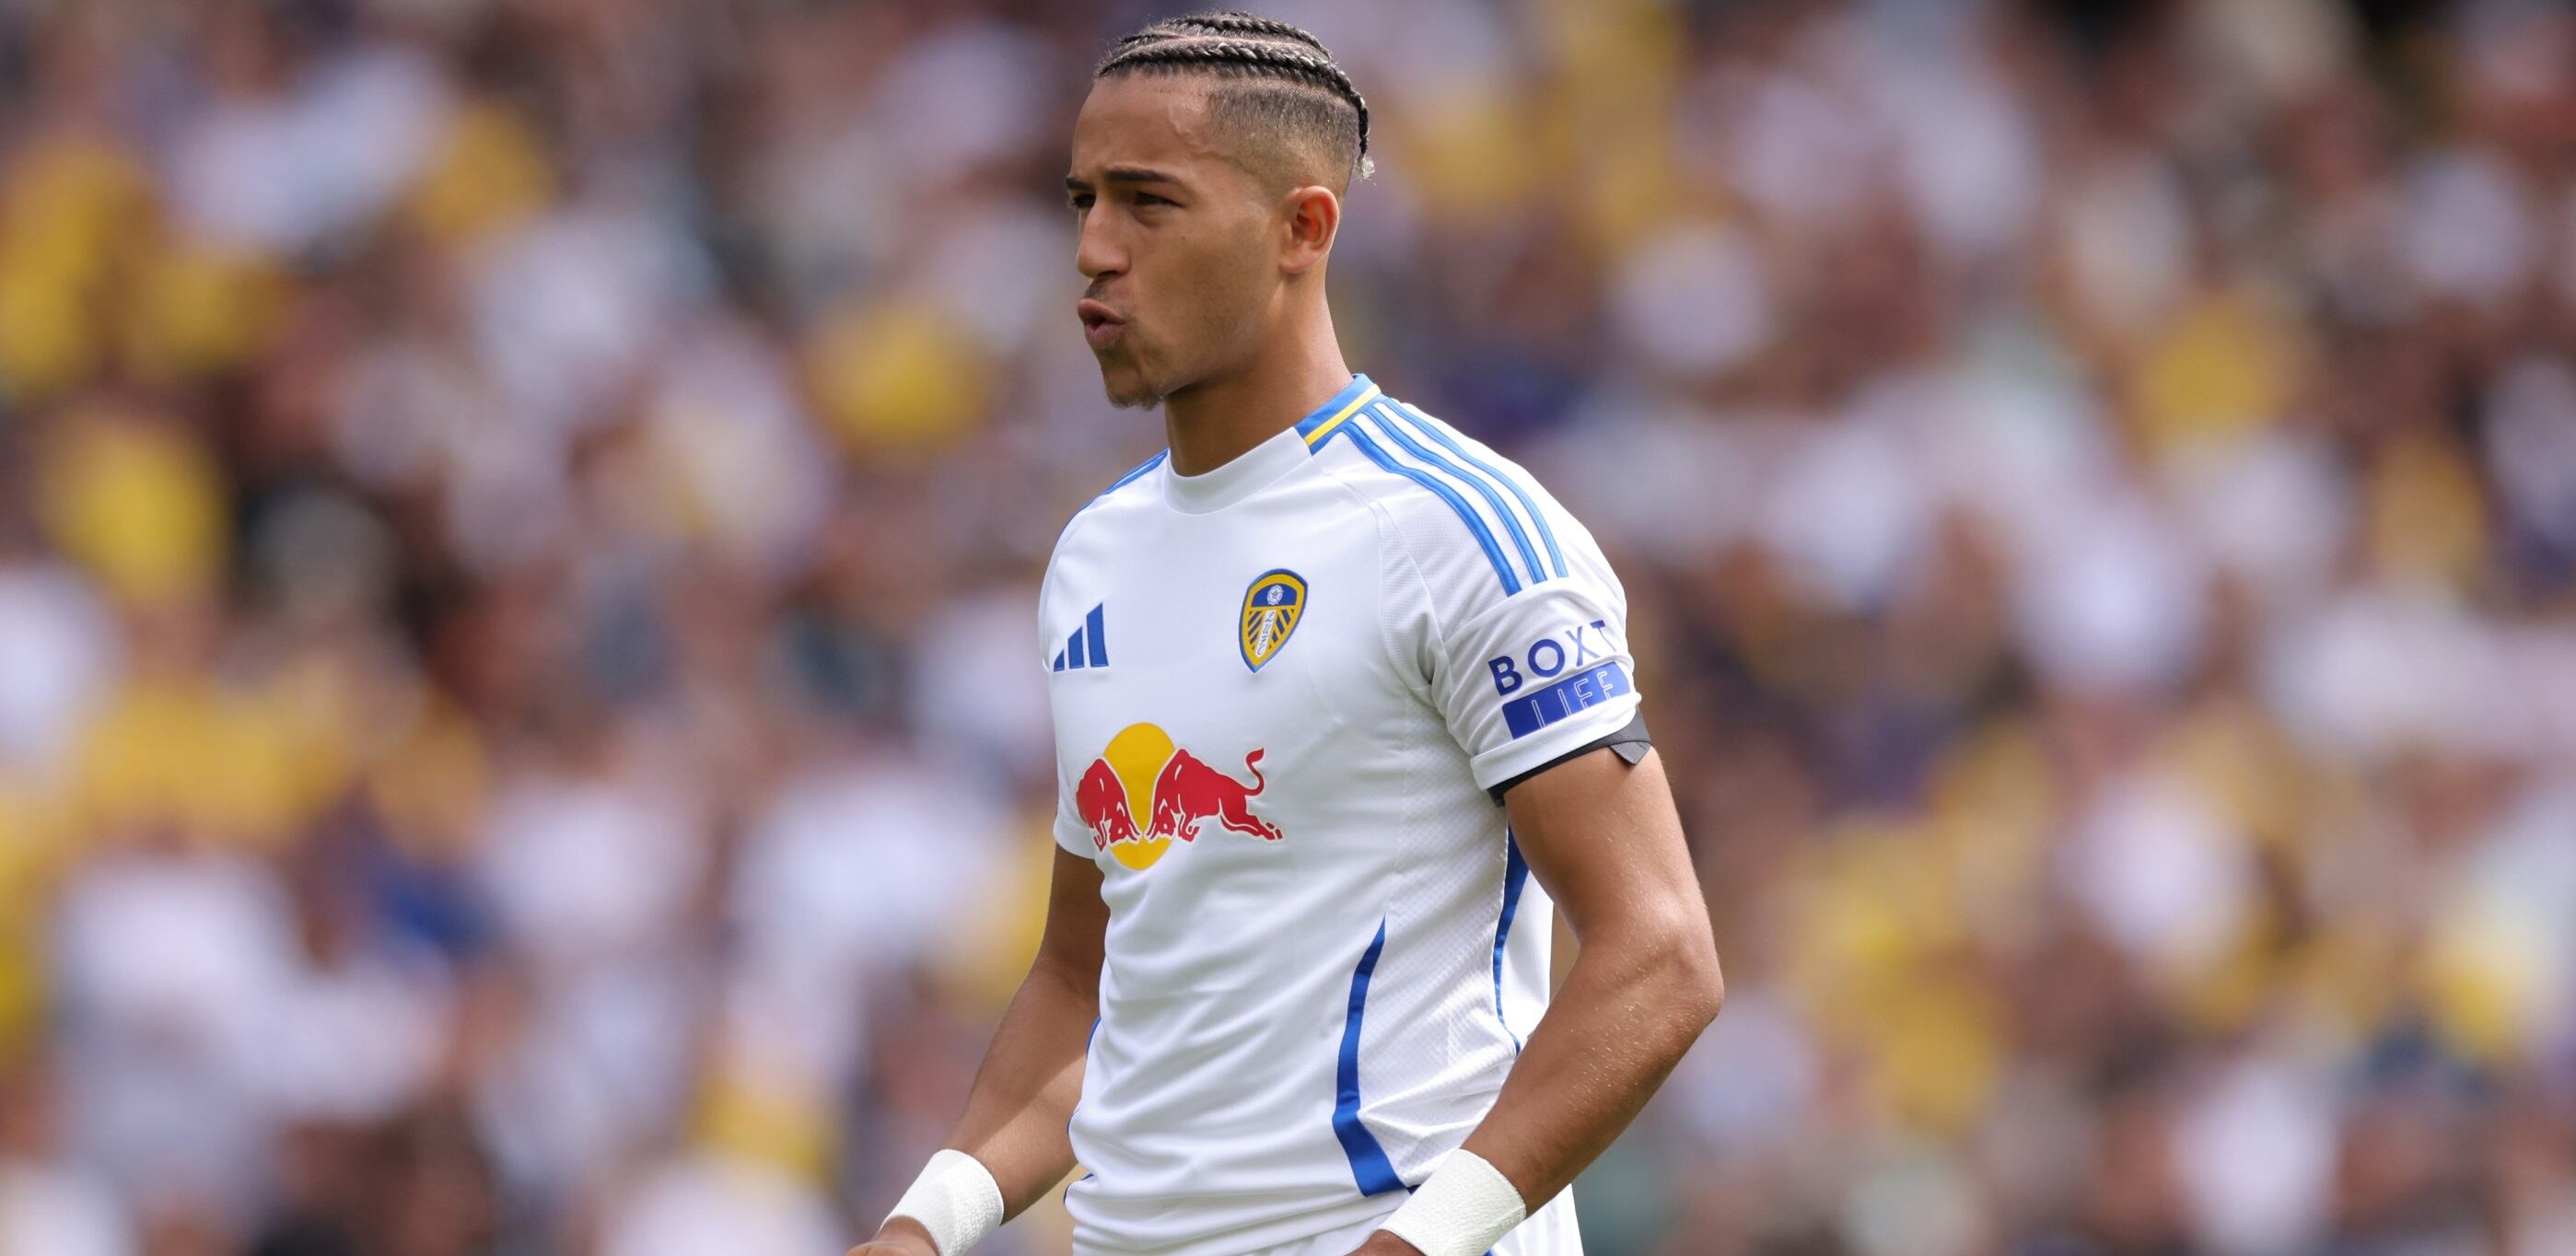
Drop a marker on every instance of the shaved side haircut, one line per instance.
(1292, 110)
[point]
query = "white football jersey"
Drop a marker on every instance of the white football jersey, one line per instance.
(1282, 691)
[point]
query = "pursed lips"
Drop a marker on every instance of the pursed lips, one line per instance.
(1100, 324)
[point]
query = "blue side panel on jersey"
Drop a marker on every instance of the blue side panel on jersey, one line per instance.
(1475, 523)
(1588, 688)
(1369, 1165)
(1546, 533)
(1515, 875)
(1511, 522)
(1098, 638)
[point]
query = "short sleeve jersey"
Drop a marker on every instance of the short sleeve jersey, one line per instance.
(1281, 692)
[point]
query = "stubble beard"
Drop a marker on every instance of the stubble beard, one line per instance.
(1141, 395)
(1145, 399)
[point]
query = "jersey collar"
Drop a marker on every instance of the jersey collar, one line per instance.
(1264, 463)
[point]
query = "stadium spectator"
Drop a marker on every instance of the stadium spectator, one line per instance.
(505, 504)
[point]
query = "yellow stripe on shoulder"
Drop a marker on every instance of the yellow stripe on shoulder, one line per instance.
(1326, 427)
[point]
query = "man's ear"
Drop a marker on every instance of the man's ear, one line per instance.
(1313, 217)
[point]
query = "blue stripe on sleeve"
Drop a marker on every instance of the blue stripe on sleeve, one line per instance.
(1369, 1165)
(1384, 421)
(1538, 517)
(1475, 522)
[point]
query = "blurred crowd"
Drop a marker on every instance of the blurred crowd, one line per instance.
(521, 724)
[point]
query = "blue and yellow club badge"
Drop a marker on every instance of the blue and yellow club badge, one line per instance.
(1271, 609)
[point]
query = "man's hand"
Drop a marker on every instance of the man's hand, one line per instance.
(902, 1236)
(1382, 1243)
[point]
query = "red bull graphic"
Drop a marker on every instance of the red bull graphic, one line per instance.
(1142, 773)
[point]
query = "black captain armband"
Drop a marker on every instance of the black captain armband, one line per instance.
(1630, 742)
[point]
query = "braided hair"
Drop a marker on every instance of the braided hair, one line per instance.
(1277, 77)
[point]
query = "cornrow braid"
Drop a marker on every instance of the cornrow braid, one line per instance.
(1234, 44)
(1228, 23)
(1236, 22)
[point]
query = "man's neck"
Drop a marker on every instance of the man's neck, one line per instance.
(1212, 423)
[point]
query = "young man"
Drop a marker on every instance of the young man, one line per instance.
(1333, 685)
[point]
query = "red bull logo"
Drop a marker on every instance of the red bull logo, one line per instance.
(1142, 773)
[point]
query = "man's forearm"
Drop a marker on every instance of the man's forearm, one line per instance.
(1028, 1083)
(1626, 1014)
(1024, 1091)
(1023, 1094)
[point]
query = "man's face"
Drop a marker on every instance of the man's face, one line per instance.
(1176, 240)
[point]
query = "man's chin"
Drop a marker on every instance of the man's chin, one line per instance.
(1129, 391)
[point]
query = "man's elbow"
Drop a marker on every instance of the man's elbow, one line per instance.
(1699, 983)
(1692, 985)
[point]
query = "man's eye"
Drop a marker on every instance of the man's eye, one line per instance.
(1080, 202)
(1148, 198)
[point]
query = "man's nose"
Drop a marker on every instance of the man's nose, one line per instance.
(1097, 254)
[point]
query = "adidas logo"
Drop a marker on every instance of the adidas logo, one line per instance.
(1087, 647)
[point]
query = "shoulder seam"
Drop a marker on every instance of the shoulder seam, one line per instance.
(1467, 514)
(1046, 581)
(1393, 423)
(1440, 432)
(1388, 526)
(1132, 475)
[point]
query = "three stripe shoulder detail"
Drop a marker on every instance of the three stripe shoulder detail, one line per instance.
(1440, 432)
(1496, 510)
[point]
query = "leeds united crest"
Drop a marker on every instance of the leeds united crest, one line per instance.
(1271, 609)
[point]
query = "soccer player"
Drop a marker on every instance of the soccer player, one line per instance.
(1344, 709)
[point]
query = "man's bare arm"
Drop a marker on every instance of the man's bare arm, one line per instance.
(1603, 838)
(1025, 1089)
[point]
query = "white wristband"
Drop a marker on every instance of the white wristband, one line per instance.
(1463, 1209)
(956, 1199)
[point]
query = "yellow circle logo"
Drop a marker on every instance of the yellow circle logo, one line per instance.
(1137, 754)
(1144, 792)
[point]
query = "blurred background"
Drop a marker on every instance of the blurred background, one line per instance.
(521, 725)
